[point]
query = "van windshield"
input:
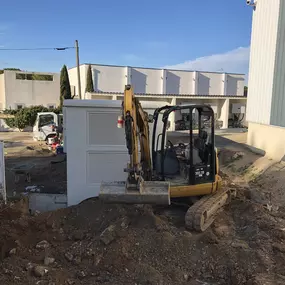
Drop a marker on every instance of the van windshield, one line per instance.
(45, 120)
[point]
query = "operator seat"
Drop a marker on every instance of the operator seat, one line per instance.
(200, 145)
(171, 162)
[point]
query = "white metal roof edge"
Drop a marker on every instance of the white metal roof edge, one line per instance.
(103, 103)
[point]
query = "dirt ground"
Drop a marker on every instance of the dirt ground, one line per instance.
(93, 243)
(21, 151)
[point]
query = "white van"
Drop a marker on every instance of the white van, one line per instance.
(44, 125)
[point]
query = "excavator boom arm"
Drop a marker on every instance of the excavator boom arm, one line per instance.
(137, 134)
(139, 187)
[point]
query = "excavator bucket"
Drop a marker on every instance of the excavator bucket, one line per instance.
(149, 192)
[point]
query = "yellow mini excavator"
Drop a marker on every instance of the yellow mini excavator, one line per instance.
(161, 171)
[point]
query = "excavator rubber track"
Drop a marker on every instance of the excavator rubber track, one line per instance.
(201, 215)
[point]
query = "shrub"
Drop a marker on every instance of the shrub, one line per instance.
(24, 117)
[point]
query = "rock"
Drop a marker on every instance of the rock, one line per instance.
(77, 260)
(48, 260)
(238, 155)
(42, 244)
(12, 251)
(29, 266)
(70, 282)
(81, 274)
(68, 256)
(97, 259)
(279, 246)
(108, 235)
(146, 274)
(78, 235)
(124, 223)
(186, 277)
(240, 244)
(40, 271)
(221, 231)
(187, 234)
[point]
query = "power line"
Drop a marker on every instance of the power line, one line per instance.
(25, 49)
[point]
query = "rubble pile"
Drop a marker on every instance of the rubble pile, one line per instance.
(93, 243)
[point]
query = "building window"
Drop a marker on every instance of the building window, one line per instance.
(51, 107)
(34, 76)
(19, 106)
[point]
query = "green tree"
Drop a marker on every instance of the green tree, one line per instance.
(9, 68)
(24, 117)
(89, 80)
(245, 90)
(65, 91)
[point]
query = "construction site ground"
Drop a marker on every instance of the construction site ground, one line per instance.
(93, 243)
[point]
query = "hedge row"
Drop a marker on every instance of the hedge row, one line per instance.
(26, 116)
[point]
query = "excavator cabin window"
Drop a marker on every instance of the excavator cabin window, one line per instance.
(186, 158)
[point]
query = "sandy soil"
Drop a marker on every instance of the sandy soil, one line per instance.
(21, 150)
(93, 243)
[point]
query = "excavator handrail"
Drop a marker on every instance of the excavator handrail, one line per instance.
(155, 120)
(188, 106)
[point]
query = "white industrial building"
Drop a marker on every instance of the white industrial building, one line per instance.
(266, 97)
(112, 79)
(223, 91)
(19, 89)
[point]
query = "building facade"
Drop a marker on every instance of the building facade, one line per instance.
(266, 86)
(22, 89)
(223, 91)
(112, 79)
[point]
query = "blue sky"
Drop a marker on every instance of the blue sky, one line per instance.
(211, 35)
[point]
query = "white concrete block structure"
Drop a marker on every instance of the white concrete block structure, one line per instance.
(266, 87)
(19, 89)
(96, 148)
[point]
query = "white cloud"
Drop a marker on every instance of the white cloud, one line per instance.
(235, 61)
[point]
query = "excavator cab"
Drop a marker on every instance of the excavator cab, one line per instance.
(190, 158)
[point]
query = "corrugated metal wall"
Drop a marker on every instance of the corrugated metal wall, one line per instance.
(278, 97)
(262, 59)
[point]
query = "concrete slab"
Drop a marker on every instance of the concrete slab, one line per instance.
(43, 202)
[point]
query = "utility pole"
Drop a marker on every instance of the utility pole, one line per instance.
(78, 68)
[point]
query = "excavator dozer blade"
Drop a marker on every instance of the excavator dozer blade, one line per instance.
(149, 192)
